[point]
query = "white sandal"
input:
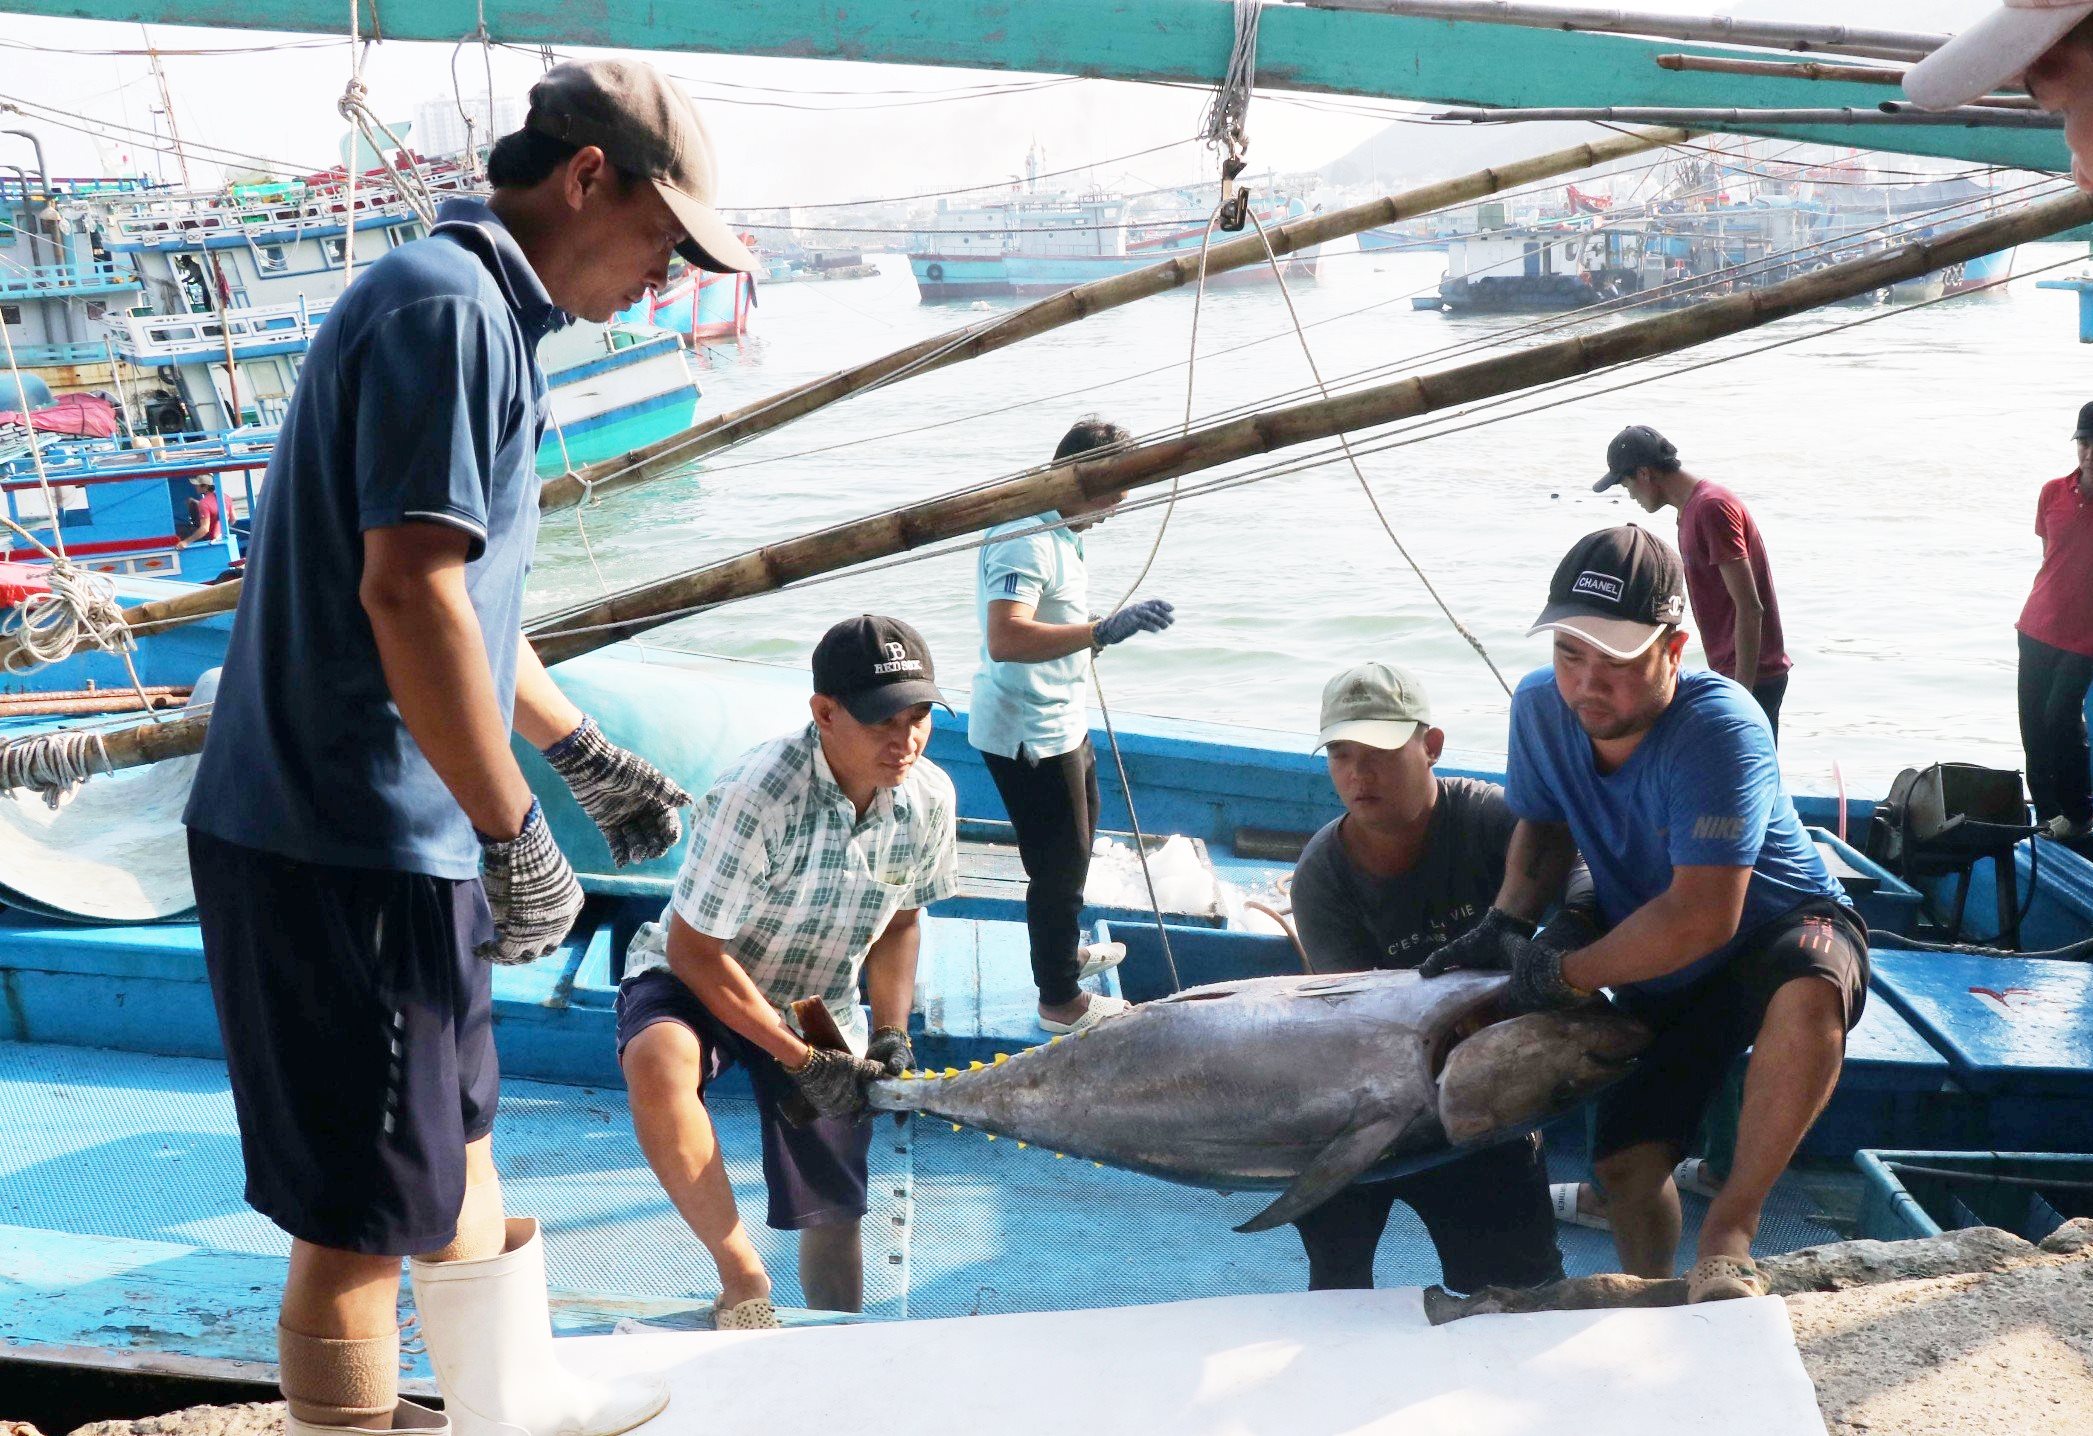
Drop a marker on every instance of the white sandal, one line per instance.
(1696, 1176)
(1563, 1197)
(755, 1314)
(1723, 1278)
(1100, 1008)
(1099, 957)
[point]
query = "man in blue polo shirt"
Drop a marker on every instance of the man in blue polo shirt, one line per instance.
(1032, 727)
(362, 842)
(1718, 925)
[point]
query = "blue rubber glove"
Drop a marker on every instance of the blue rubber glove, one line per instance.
(1148, 615)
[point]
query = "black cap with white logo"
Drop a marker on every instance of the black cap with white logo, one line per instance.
(1616, 589)
(875, 667)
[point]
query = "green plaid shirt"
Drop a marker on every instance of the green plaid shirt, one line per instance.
(783, 871)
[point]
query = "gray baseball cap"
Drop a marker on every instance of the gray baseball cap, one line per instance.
(644, 125)
(1377, 704)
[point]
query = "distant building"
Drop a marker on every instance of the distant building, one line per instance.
(440, 130)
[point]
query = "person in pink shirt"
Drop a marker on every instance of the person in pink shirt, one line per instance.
(2056, 649)
(1728, 577)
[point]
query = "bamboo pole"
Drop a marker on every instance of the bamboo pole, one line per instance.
(1722, 29)
(1818, 70)
(637, 610)
(670, 455)
(1892, 113)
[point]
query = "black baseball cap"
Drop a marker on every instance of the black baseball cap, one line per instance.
(2085, 422)
(1635, 447)
(1616, 589)
(875, 667)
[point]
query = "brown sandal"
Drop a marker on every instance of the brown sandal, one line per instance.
(1721, 1278)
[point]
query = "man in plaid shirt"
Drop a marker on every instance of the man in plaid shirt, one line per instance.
(810, 861)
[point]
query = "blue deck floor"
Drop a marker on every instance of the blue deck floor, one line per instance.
(960, 1224)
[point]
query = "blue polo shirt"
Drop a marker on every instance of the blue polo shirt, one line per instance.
(421, 401)
(1702, 789)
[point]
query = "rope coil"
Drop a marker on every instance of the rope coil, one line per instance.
(53, 763)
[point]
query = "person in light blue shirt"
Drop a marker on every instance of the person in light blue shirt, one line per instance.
(1030, 721)
(1716, 924)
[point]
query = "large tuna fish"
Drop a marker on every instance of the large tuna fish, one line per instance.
(1300, 1083)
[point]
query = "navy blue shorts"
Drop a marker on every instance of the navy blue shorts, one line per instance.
(359, 1036)
(816, 1174)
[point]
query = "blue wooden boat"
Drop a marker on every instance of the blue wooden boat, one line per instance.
(110, 1078)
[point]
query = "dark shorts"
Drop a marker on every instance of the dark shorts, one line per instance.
(1488, 1215)
(359, 1037)
(1703, 1028)
(816, 1174)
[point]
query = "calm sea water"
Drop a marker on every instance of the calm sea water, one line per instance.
(1893, 468)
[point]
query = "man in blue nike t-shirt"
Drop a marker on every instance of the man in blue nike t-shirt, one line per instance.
(1717, 923)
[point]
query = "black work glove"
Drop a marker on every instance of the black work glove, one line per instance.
(834, 1082)
(1489, 946)
(531, 890)
(1570, 929)
(889, 1049)
(1537, 983)
(632, 802)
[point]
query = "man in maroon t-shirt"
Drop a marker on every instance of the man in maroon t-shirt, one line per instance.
(2056, 649)
(1727, 575)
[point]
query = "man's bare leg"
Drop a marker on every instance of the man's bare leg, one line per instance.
(662, 1065)
(1644, 1206)
(1794, 1066)
(832, 1267)
(343, 1296)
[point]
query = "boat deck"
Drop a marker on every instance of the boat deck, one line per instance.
(181, 1275)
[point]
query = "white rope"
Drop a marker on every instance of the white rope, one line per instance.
(53, 763)
(1191, 388)
(355, 86)
(1226, 115)
(79, 611)
(1344, 443)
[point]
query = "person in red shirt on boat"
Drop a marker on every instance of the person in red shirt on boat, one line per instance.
(2056, 649)
(206, 522)
(1727, 574)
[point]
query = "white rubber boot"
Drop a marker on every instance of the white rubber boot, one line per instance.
(489, 1334)
(408, 1419)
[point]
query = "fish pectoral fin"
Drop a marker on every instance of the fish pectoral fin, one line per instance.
(1334, 1169)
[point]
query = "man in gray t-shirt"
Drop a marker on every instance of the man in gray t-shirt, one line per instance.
(1415, 861)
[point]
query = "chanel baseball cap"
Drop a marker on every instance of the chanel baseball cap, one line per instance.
(1995, 51)
(1377, 704)
(875, 667)
(1616, 589)
(1635, 447)
(646, 126)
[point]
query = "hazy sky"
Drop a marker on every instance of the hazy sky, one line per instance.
(849, 141)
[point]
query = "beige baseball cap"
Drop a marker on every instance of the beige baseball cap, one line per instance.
(645, 125)
(1995, 51)
(1377, 704)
